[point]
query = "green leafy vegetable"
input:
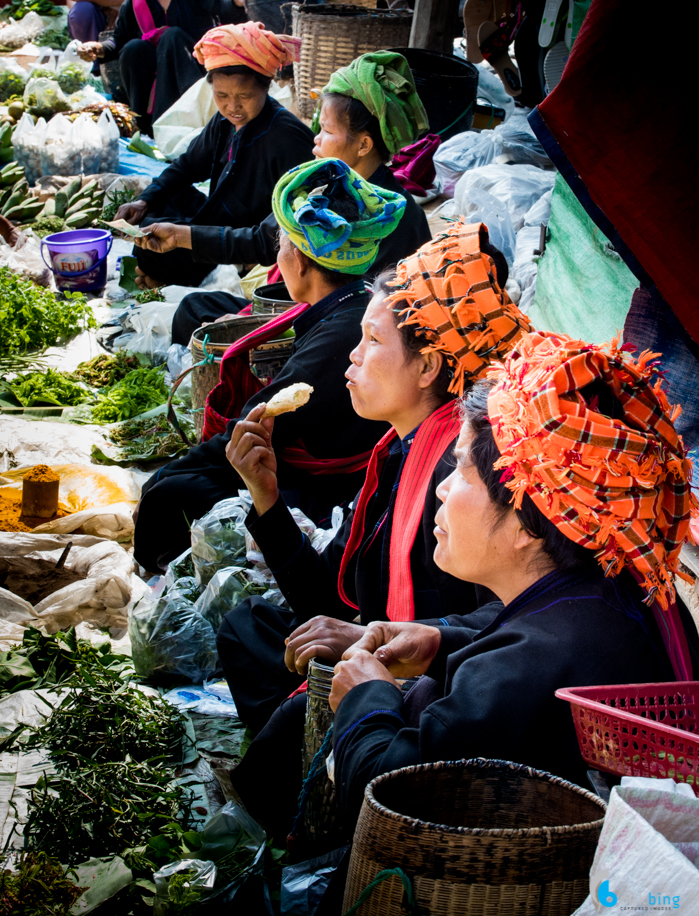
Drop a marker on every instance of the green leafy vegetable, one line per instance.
(31, 317)
(49, 387)
(72, 78)
(144, 440)
(45, 225)
(18, 9)
(150, 295)
(10, 84)
(56, 38)
(140, 391)
(105, 370)
(115, 200)
(36, 885)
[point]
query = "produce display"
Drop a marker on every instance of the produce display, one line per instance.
(32, 317)
(105, 370)
(33, 389)
(78, 204)
(37, 884)
(18, 9)
(115, 200)
(71, 78)
(144, 440)
(55, 38)
(124, 117)
(10, 84)
(140, 391)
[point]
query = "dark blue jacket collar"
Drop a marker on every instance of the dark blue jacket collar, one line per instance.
(348, 296)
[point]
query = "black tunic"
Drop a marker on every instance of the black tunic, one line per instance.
(498, 685)
(251, 638)
(258, 245)
(192, 16)
(327, 426)
(243, 168)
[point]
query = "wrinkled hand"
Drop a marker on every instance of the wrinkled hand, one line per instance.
(358, 669)
(133, 213)
(251, 454)
(324, 637)
(164, 237)
(89, 50)
(406, 649)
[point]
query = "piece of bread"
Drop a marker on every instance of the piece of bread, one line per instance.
(288, 399)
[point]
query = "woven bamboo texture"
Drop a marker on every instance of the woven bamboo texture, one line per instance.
(333, 36)
(323, 822)
(221, 335)
(477, 838)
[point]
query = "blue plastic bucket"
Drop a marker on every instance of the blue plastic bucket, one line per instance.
(78, 258)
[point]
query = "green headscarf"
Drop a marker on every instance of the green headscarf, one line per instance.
(303, 206)
(383, 82)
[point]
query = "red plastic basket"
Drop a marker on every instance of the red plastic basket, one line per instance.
(639, 729)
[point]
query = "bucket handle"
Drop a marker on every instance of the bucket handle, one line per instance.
(70, 275)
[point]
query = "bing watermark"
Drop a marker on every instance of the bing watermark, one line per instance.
(607, 901)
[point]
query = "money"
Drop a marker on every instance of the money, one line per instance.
(131, 232)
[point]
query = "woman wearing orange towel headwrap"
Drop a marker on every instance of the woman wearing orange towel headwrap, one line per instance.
(243, 150)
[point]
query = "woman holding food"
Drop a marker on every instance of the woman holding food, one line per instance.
(380, 562)
(570, 501)
(243, 150)
(368, 111)
(329, 239)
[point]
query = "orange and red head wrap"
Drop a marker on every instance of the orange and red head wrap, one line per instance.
(618, 486)
(250, 45)
(449, 289)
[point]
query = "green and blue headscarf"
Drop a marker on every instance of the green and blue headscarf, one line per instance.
(303, 206)
(383, 82)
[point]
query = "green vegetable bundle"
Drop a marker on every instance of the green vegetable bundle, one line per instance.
(79, 203)
(50, 387)
(144, 440)
(37, 884)
(115, 200)
(72, 78)
(31, 317)
(105, 370)
(10, 84)
(140, 391)
(18, 9)
(59, 39)
(47, 225)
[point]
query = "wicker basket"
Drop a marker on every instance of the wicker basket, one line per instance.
(333, 36)
(271, 299)
(324, 827)
(220, 336)
(476, 837)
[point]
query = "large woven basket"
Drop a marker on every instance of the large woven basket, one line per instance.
(333, 36)
(475, 837)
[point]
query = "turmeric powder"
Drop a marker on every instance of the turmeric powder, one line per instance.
(11, 518)
(41, 473)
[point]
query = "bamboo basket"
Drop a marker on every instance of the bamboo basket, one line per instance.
(333, 36)
(475, 838)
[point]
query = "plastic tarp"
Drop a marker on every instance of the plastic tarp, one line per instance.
(583, 287)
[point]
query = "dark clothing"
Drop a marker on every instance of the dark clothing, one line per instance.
(257, 244)
(495, 677)
(194, 18)
(243, 167)
(86, 20)
(498, 685)
(327, 426)
(251, 637)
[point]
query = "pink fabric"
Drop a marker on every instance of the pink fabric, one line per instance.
(249, 44)
(146, 23)
(413, 166)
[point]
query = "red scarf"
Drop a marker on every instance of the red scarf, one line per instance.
(430, 443)
(146, 23)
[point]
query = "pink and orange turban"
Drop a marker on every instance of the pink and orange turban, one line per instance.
(249, 45)
(620, 487)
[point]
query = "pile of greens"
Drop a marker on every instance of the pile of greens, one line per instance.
(56, 38)
(18, 9)
(71, 78)
(32, 318)
(137, 393)
(115, 200)
(11, 84)
(105, 370)
(144, 440)
(150, 295)
(34, 389)
(37, 885)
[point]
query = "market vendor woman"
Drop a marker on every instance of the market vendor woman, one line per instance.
(330, 238)
(242, 151)
(368, 111)
(380, 562)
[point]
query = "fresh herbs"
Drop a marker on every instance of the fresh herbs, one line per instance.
(18, 9)
(144, 440)
(105, 370)
(115, 200)
(31, 317)
(55, 38)
(36, 886)
(71, 78)
(10, 84)
(150, 295)
(50, 387)
(182, 893)
(46, 225)
(140, 391)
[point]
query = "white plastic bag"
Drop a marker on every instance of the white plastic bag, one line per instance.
(483, 207)
(84, 97)
(17, 34)
(88, 138)
(491, 89)
(71, 56)
(15, 77)
(646, 858)
(109, 133)
(24, 259)
(47, 60)
(218, 538)
(60, 155)
(514, 141)
(28, 142)
(152, 324)
(460, 153)
(112, 522)
(516, 186)
(525, 267)
(182, 122)
(48, 95)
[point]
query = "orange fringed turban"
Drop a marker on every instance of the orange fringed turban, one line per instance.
(450, 289)
(621, 487)
(250, 45)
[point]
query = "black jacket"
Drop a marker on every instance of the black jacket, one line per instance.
(257, 244)
(243, 168)
(193, 16)
(309, 581)
(327, 425)
(498, 685)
